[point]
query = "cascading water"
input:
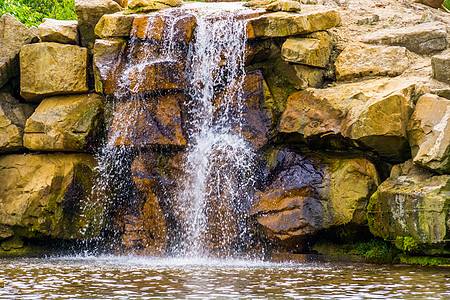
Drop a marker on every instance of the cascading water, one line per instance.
(210, 200)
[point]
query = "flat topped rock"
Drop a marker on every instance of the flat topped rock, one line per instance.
(59, 31)
(424, 38)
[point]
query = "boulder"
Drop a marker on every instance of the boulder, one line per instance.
(441, 68)
(65, 123)
(51, 195)
(429, 133)
(413, 203)
(359, 60)
(373, 114)
(148, 122)
(116, 25)
(108, 64)
(284, 5)
(280, 24)
(13, 35)
(312, 50)
(58, 31)
(306, 194)
(5, 232)
(89, 13)
(151, 5)
(13, 116)
(123, 3)
(175, 26)
(425, 38)
(48, 69)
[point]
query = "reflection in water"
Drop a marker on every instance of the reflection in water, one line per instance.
(112, 277)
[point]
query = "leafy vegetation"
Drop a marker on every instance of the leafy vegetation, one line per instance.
(377, 251)
(31, 12)
(447, 4)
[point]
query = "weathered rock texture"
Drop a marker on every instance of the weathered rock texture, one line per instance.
(48, 69)
(359, 60)
(65, 123)
(151, 5)
(64, 32)
(309, 193)
(429, 133)
(148, 122)
(114, 25)
(372, 114)
(89, 13)
(441, 68)
(414, 203)
(13, 35)
(13, 116)
(50, 195)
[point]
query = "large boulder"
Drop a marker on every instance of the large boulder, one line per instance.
(151, 5)
(13, 116)
(306, 194)
(13, 36)
(89, 13)
(51, 195)
(441, 68)
(148, 122)
(280, 24)
(429, 133)
(65, 123)
(412, 203)
(48, 69)
(313, 50)
(425, 38)
(359, 60)
(59, 31)
(116, 25)
(373, 114)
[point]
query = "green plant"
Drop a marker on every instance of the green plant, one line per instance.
(406, 244)
(31, 12)
(447, 4)
(377, 251)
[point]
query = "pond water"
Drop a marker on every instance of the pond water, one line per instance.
(113, 277)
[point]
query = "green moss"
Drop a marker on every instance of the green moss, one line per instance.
(424, 260)
(377, 251)
(407, 244)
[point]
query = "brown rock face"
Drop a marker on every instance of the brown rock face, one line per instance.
(64, 32)
(48, 69)
(441, 67)
(307, 194)
(116, 25)
(148, 122)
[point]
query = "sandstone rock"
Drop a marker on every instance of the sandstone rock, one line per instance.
(424, 38)
(429, 133)
(13, 35)
(89, 13)
(64, 32)
(123, 3)
(159, 75)
(50, 194)
(150, 122)
(114, 25)
(150, 5)
(313, 50)
(284, 5)
(371, 114)
(279, 24)
(107, 64)
(412, 202)
(359, 60)
(5, 232)
(13, 116)
(65, 123)
(48, 69)
(441, 68)
(176, 26)
(308, 194)
(304, 77)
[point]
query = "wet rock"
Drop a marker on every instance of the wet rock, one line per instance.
(359, 60)
(64, 32)
(429, 133)
(148, 122)
(108, 64)
(424, 38)
(313, 50)
(13, 35)
(372, 114)
(89, 13)
(151, 5)
(5, 232)
(412, 202)
(48, 69)
(65, 123)
(279, 24)
(13, 116)
(177, 27)
(158, 75)
(310, 193)
(14, 242)
(304, 77)
(2, 283)
(441, 68)
(116, 25)
(50, 194)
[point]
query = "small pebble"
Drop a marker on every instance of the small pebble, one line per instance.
(2, 283)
